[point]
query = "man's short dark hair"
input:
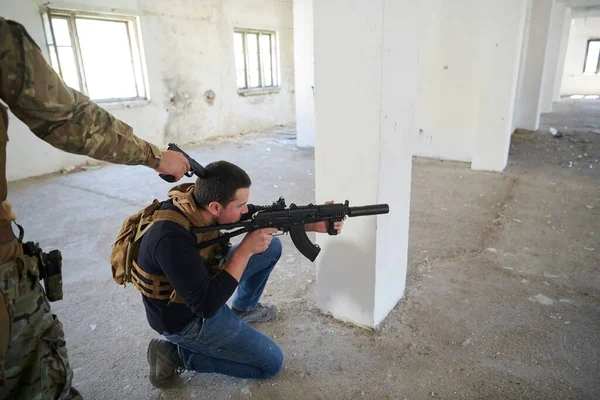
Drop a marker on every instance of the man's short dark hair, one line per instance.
(222, 181)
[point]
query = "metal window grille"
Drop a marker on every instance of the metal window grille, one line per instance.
(99, 55)
(256, 59)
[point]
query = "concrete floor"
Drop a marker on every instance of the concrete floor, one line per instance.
(574, 116)
(503, 291)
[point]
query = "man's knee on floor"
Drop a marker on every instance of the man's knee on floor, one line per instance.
(275, 362)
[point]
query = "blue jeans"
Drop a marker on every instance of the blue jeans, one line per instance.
(224, 343)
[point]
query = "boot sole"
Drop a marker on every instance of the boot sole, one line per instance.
(152, 363)
(152, 377)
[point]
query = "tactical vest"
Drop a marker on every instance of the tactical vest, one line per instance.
(125, 252)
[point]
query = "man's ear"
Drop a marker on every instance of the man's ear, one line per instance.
(214, 207)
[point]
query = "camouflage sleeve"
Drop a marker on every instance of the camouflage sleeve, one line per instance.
(59, 115)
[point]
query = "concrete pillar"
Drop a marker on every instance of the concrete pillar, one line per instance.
(304, 73)
(562, 54)
(366, 57)
(448, 84)
(499, 31)
(551, 60)
(527, 113)
(522, 63)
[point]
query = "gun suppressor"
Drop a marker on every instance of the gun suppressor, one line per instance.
(368, 210)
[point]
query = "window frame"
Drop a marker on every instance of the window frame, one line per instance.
(136, 48)
(587, 51)
(275, 74)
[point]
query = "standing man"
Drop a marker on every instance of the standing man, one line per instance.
(33, 355)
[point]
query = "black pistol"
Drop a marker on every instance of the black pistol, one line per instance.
(195, 167)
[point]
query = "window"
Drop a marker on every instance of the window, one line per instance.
(592, 57)
(98, 55)
(255, 59)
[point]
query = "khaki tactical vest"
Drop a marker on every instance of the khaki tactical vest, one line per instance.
(123, 258)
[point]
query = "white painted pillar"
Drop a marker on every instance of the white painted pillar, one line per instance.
(366, 57)
(551, 59)
(500, 31)
(562, 54)
(528, 104)
(304, 73)
(522, 63)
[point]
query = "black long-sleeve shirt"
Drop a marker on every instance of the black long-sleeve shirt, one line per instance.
(169, 249)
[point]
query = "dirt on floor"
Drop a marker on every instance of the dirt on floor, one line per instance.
(502, 299)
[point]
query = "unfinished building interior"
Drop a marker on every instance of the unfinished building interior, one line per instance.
(476, 121)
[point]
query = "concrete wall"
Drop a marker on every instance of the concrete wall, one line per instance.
(460, 61)
(584, 26)
(189, 50)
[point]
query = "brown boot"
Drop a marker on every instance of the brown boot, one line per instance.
(164, 362)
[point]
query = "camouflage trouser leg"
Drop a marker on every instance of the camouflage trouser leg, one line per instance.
(33, 357)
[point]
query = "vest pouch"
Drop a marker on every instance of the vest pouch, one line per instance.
(50, 269)
(53, 276)
(219, 259)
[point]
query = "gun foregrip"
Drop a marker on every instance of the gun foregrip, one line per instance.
(303, 244)
(331, 228)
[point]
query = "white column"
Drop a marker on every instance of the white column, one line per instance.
(304, 73)
(551, 59)
(366, 58)
(528, 104)
(527, 111)
(562, 54)
(500, 32)
(522, 63)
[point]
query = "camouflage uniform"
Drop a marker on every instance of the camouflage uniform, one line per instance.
(33, 356)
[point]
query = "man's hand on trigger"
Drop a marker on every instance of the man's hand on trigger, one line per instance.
(173, 163)
(258, 241)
